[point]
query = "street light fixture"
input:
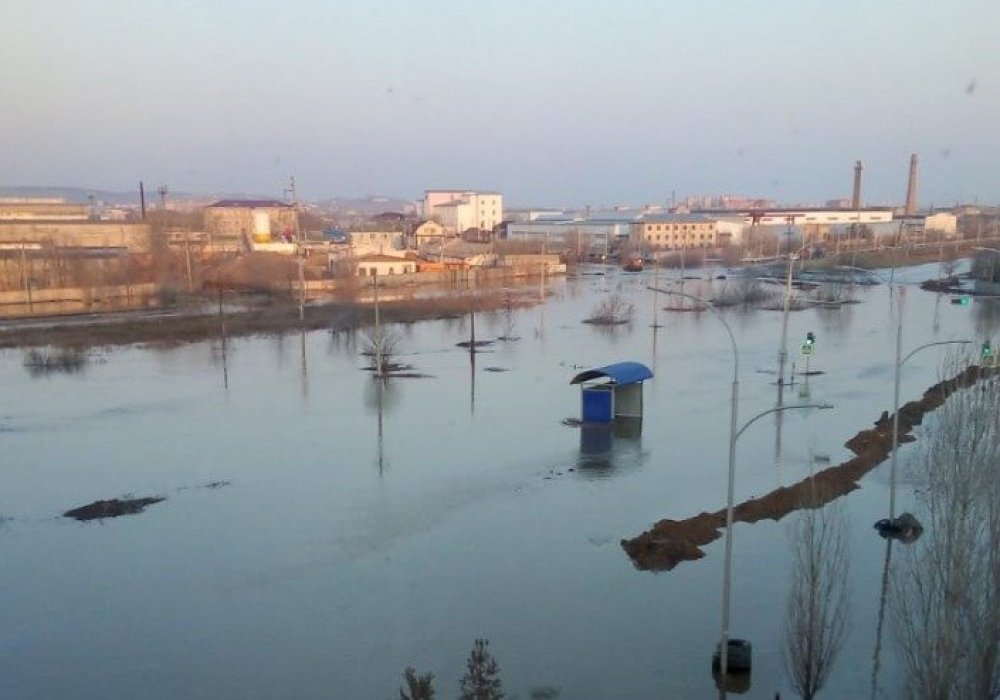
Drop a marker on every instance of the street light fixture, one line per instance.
(900, 360)
(895, 402)
(734, 435)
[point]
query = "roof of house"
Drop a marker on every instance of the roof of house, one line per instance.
(674, 218)
(382, 258)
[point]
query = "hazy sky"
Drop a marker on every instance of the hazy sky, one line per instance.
(552, 102)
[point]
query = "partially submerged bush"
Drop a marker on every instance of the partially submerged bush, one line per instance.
(744, 292)
(612, 311)
(833, 295)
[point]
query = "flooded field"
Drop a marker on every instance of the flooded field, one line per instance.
(321, 532)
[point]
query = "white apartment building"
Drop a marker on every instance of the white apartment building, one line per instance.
(459, 210)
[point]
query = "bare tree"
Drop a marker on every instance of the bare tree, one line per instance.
(418, 687)
(946, 592)
(383, 345)
(817, 609)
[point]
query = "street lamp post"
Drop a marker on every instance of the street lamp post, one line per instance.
(900, 361)
(734, 435)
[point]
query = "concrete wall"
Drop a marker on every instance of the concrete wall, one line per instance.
(98, 234)
(76, 300)
(453, 275)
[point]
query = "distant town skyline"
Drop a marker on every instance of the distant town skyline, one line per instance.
(553, 104)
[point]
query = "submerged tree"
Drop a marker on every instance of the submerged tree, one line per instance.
(482, 675)
(418, 687)
(946, 592)
(383, 346)
(817, 608)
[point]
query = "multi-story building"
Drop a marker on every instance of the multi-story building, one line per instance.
(674, 232)
(264, 219)
(460, 210)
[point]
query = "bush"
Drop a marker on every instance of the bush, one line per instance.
(612, 311)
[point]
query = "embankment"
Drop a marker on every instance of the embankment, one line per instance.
(670, 542)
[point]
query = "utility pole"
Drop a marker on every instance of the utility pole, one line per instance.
(783, 349)
(378, 331)
(142, 200)
(299, 249)
(163, 191)
(187, 259)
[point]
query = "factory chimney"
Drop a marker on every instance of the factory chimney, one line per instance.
(911, 188)
(856, 199)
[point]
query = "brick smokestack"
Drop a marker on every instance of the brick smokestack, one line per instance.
(856, 199)
(911, 188)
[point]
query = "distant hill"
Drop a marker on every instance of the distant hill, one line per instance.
(82, 194)
(365, 206)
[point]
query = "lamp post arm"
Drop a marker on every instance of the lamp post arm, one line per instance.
(777, 409)
(711, 307)
(917, 349)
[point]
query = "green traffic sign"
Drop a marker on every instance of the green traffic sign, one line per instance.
(807, 349)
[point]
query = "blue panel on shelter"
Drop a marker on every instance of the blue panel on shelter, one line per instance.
(598, 404)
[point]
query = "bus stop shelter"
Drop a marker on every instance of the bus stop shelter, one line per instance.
(613, 391)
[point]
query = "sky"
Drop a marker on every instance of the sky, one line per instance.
(551, 102)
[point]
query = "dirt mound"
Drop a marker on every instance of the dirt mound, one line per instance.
(670, 542)
(111, 508)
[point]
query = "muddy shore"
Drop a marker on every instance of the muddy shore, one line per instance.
(669, 542)
(254, 316)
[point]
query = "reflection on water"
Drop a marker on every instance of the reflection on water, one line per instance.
(48, 361)
(987, 315)
(607, 449)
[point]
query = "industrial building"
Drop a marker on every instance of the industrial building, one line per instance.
(42, 209)
(587, 236)
(265, 220)
(655, 232)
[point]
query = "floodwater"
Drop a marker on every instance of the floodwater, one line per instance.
(320, 534)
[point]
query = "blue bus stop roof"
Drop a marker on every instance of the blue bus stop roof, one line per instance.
(620, 373)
